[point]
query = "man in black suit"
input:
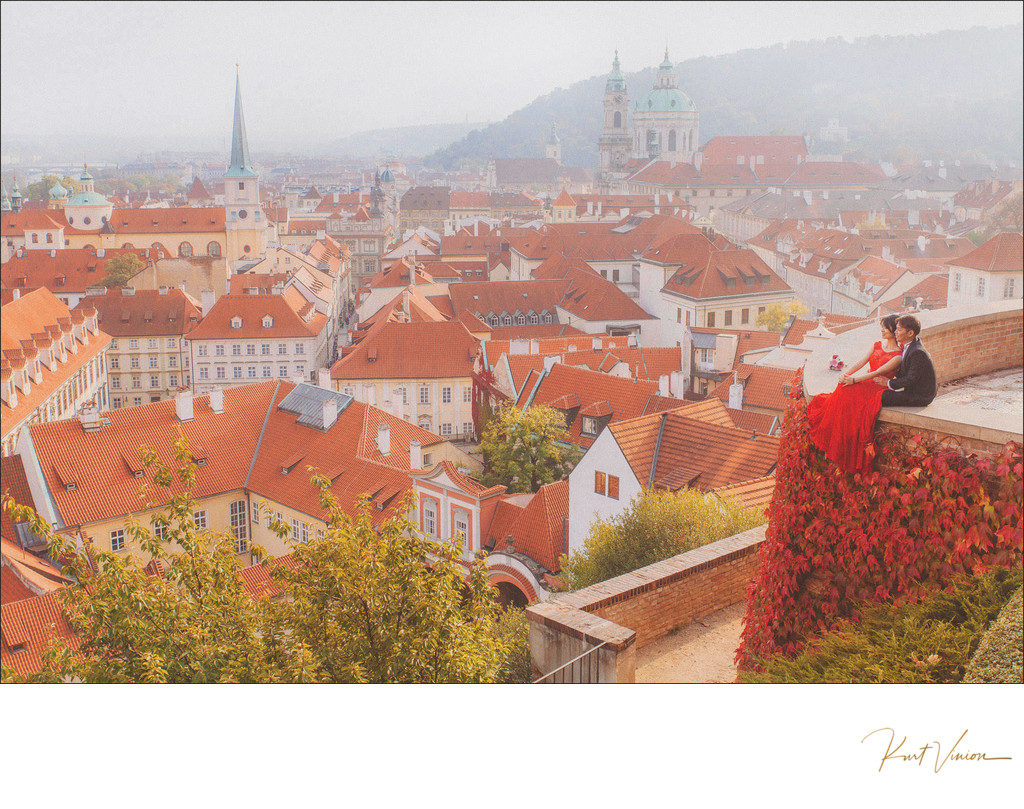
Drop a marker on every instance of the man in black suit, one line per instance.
(914, 385)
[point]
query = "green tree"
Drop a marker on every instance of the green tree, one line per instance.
(776, 315)
(121, 269)
(362, 604)
(655, 526)
(526, 449)
(41, 190)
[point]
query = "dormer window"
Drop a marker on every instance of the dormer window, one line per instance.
(588, 426)
(268, 322)
(236, 322)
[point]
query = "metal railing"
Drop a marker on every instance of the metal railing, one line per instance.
(584, 668)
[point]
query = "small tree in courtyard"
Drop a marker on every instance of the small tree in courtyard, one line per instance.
(121, 269)
(775, 316)
(526, 449)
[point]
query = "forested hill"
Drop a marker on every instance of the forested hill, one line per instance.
(951, 94)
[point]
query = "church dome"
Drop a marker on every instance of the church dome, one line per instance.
(58, 191)
(386, 176)
(88, 199)
(665, 96)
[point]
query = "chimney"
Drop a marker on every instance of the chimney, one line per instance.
(548, 362)
(519, 346)
(677, 383)
(161, 290)
(100, 252)
(590, 207)
(330, 412)
(396, 403)
(599, 208)
(370, 394)
(208, 299)
(663, 385)
(632, 341)
(217, 400)
(922, 243)
(127, 292)
(183, 405)
(405, 304)
(323, 378)
(90, 418)
(535, 346)
(735, 393)
(384, 438)
(415, 455)
(595, 344)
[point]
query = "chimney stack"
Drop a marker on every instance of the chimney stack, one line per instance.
(330, 412)
(663, 385)
(549, 362)
(415, 455)
(735, 393)
(323, 378)
(384, 438)
(208, 299)
(217, 400)
(183, 405)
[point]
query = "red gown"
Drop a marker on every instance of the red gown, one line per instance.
(843, 422)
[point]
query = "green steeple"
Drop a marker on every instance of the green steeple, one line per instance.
(241, 165)
(616, 83)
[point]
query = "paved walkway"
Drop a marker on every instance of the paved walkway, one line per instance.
(701, 652)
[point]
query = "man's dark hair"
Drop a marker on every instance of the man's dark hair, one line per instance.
(910, 323)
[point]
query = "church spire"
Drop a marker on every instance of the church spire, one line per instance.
(616, 83)
(241, 165)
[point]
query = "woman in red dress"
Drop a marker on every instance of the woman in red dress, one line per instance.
(843, 422)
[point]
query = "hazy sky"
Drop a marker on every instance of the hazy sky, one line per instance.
(318, 70)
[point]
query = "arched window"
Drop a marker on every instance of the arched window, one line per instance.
(520, 320)
(672, 140)
(213, 249)
(618, 120)
(49, 238)
(506, 320)
(493, 320)
(185, 250)
(534, 320)
(128, 246)
(35, 238)
(547, 317)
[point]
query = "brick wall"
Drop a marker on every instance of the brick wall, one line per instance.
(976, 345)
(637, 608)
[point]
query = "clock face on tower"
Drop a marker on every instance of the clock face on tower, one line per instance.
(618, 99)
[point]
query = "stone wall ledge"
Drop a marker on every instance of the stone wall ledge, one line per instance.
(941, 328)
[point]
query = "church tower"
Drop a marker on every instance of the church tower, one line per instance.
(666, 124)
(613, 145)
(245, 225)
(554, 146)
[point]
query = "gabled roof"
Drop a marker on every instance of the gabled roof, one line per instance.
(286, 310)
(418, 350)
(538, 531)
(691, 451)
(1004, 252)
(145, 313)
(932, 291)
(755, 494)
(725, 273)
(763, 386)
(67, 271)
(27, 627)
(564, 200)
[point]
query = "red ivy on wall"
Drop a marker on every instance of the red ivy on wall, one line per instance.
(835, 539)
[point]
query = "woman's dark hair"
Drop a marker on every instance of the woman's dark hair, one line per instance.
(889, 321)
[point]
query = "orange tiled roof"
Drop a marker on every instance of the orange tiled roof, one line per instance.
(539, 530)
(31, 574)
(125, 221)
(756, 493)
(763, 387)
(1004, 252)
(423, 350)
(145, 313)
(725, 273)
(836, 324)
(933, 291)
(836, 173)
(693, 452)
(284, 309)
(27, 627)
(71, 270)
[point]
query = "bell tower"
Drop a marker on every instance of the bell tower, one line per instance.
(245, 224)
(613, 145)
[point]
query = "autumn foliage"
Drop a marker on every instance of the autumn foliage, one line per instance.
(837, 540)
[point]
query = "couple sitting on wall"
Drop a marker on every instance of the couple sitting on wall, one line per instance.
(843, 422)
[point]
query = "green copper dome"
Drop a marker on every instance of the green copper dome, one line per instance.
(58, 191)
(665, 96)
(88, 199)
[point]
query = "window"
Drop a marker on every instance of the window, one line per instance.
(160, 532)
(424, 394)
(172, 342)
(599, 482)
(300, 348)
(115, 402)
(255, 518)
(613, 487)
(760, 310)
(446, 428)
(744, 316)
(265, 349)
(204, 373)
(117, 540)
(250, 349)
(520, 320)
(679, 315)
(588, 426)
(266, 372)
(172, 361)
(534, 320)
(728, 317)
(239, 526)
(467, 394)
(429, 519)
(202, 351)
(687, 318)
(506, 320)
(305, 531)
(282, 371)
(711, 319)
(200, 518)
(268, 322)
(154, 362)
(547, 317)
(1008, 287)
(461, 527)
(136, 400)
(251, 372)
(151, 343)
(236, 371)
(404, 391)
(295, 529)
(221, 372)
(115, 363)
(446, 394)
(348, 390)
(236, 350)
(133, 361)
(218, 349)
(282, 348)
(981, 287)
(136, 381)
(154, 381)
(956, 282)
(115, 382)
(172, 381)
(113, 345)
(300, 370)
(133, 343)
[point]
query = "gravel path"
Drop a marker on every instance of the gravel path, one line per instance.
(701, 652)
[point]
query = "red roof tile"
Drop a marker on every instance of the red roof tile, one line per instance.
(1004, 252)
(145, 313)
(67, 271)
(284, 309)
(424, 350)
(763, 387)
(27, 627)
(725, 273)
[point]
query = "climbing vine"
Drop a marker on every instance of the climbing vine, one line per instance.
(836, 540)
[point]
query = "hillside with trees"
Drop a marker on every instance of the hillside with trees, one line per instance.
(954, 94)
